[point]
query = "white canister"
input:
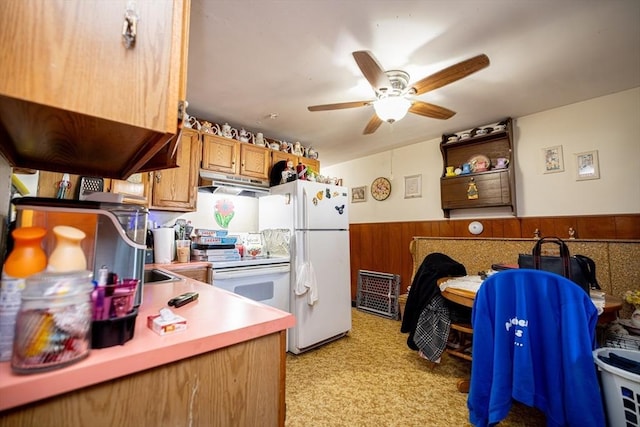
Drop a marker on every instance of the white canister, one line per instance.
(163, 245)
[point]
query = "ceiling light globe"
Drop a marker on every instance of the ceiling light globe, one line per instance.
(392, 109)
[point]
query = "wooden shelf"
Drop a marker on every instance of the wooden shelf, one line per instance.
(494, 187)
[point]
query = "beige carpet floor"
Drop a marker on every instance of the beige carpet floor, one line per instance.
(371, 378)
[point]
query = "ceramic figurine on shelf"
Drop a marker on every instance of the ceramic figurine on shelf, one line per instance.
(536, 234)
(225, 130)
(572, 233)
(289, 174)
(311, 153)
(297, 149)
(274, 145)
(206, 127)
(259, 140)
(244, 136)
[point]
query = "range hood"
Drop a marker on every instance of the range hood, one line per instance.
(220, 183)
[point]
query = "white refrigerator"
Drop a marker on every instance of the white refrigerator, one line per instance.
(320, 296)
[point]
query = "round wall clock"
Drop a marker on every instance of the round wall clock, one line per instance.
(381, 188)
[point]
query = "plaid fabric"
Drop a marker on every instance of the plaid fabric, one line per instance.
(432, 330)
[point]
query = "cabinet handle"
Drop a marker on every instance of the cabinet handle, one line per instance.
(129, 28)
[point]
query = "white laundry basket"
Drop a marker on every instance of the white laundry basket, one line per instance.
(620, 388)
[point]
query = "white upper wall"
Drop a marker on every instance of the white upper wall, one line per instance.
(609, 124)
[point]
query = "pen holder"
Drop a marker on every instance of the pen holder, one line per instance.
(115, 331)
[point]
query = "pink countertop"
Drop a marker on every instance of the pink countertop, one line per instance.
(217, 319)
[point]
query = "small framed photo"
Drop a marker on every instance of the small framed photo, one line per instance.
(358, 194)
(553, 160)
(412, 186)
(587, 165)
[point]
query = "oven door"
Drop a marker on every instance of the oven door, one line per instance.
(268, 284)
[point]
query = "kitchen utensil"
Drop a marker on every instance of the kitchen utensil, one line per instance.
(88, 185)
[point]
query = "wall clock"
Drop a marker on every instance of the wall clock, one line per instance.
(381, 188)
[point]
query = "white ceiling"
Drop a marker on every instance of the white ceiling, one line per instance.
(251, 58)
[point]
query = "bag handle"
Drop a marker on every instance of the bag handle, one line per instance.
(564, 254)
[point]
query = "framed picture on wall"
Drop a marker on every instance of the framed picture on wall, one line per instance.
(587, 165)
(553, 160)
(412, 186)
(358, 194)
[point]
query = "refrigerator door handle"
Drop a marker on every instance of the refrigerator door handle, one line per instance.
(305, 214)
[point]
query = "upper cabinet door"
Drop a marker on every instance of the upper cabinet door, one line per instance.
(255, 161)
(75, 98)
(220, 154)
(70, 54)
(175, 189)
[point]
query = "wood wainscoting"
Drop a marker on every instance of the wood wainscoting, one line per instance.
(384, 247)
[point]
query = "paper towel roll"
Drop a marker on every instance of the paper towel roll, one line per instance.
(163, 245)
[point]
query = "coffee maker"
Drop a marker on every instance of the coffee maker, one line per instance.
(115, 232)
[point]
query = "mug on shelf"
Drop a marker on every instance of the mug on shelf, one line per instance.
(502, 163)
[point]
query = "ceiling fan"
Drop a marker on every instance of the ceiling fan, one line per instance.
(394, 95)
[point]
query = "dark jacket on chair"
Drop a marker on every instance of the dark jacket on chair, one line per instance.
(425, 287)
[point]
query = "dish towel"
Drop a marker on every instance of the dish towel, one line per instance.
(306, 282)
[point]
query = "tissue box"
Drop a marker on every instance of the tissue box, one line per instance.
(164, 326)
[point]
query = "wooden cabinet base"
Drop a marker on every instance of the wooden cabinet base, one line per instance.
(240, 385)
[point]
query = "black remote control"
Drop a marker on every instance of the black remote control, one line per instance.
(183, 299)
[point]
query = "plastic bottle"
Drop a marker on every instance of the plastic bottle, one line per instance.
(67, 254)
(26, 258)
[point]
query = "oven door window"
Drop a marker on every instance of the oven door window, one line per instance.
(262, 291)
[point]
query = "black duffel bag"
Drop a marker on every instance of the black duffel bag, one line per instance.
(579, 269)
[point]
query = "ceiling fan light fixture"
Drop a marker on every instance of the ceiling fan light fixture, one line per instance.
(391, 109)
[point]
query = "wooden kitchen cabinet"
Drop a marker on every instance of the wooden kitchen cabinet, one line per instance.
(277, 156)
(480, 189)
(135, 189)
(176, 189)
(74, 99)
(201, 274)
(48, 183)
(229, 156)
(173, 189)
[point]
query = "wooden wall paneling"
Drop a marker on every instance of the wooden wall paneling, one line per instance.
(528, 226)
(461, 228)
(627, 227)
(355, 237)
(511, 228)
(406, 264)
(425, 228)
(596, 227)
(547, 227)
(393, 261)
(382, 248)
(446, 229)
(491, 228)
(385, 247)
(562, 224)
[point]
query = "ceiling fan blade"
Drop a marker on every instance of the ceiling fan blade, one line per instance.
(371, 69)
(451, 74)
(372, 126)
(339, 106)
(430, 110)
